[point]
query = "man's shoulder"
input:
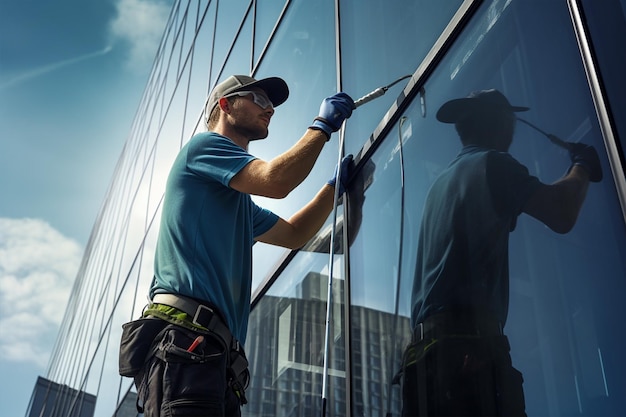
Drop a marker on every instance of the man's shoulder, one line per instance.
(204, 140)
(208, 136)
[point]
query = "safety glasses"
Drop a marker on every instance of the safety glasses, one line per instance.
(260, 100)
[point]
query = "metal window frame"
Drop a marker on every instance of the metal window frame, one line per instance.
(600, 100)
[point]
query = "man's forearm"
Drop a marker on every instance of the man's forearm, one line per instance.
(291, 167)
(310, 218)
(557, 205)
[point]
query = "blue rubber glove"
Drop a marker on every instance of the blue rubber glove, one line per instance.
(333, 111)
(345, 170)
(587, 157)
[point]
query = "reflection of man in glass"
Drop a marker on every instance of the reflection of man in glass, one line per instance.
(458, 363)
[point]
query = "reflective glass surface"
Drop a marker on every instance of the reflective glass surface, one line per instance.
(378, 331)
(286, 337)
(380, 43)
(565, 290)
(267, 12)
(238, 61)
(230, 15)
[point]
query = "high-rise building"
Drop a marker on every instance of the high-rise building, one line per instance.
(562, 58)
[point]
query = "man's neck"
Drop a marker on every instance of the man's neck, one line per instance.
(236, 139)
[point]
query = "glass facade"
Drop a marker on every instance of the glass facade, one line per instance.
(561, 58)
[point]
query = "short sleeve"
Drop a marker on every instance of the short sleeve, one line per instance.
(263, 220)
(215, 157)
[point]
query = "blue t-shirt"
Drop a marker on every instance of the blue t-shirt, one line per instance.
(204, 249)
(464, 238)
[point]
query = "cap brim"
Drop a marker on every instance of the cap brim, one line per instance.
(275, 88)
(453, 110)
(450, 111)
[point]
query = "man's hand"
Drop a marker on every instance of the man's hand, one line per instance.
(343, 178)
(587, 157)
(333, 111)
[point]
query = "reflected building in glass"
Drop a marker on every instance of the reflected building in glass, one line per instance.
(562, 58)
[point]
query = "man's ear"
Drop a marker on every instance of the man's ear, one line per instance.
(224, 104)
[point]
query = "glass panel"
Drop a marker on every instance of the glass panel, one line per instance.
(229, 15)
(305, 35)
(200, 63)
(286, 335)
(194, 64)
(379, 44)
(375, 208)
(267, 13)
(566, 290)
(239, 60)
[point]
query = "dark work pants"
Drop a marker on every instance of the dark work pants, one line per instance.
(461, 376)
(175, 382)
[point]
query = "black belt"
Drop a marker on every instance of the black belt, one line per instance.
(457, 324)
(202, 315)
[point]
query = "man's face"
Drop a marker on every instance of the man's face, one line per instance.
(489, 128)
(249, 118)
(496, 128)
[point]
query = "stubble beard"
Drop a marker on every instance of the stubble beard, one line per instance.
(250, 128)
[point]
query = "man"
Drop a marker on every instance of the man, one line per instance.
(202, 279)
(458, 362)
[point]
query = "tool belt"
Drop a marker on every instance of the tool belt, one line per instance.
(207, 317)
(457, 323)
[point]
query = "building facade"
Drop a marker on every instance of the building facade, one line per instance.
(562, 58)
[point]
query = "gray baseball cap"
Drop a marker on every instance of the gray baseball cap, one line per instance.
(275, 88)
(489, 100)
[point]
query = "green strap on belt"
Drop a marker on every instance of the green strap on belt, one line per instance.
(174, 316)
(412, 354)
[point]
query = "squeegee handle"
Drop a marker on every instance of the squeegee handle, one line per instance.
(553, 138)
(371, 96)
(558, 141)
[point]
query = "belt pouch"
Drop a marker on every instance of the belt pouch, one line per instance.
(189, 383)
(136, 343)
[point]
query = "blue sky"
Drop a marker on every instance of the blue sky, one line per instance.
(72, 73)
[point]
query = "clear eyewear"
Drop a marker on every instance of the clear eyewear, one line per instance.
(259, 99)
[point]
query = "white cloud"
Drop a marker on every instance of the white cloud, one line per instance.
(140, 23)
(37, 268)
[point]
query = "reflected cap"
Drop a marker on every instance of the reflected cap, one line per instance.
(486, 100)
(275, 88)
